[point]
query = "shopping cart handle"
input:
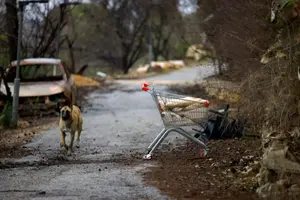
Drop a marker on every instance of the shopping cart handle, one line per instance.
(146, 85)
(145, 89)
(216, 112)
(221, 111)
(206, 104)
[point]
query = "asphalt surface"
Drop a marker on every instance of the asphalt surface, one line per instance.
(118, 126)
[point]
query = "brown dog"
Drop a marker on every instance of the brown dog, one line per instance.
(70, 121)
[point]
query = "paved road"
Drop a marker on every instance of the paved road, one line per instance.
(118, 125)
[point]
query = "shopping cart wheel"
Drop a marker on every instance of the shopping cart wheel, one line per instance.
(147, 157)
(203, 153)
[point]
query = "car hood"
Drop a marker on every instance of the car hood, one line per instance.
(34, 89)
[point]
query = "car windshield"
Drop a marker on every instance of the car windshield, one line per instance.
(37, 72)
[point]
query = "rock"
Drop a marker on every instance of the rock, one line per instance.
(197, 52)
(295, 133)
(269, 191)
(214, 165)
(294, 191)
(42, 192)
(278, 177)
(278, 190)
(276, 161)
(249, 157)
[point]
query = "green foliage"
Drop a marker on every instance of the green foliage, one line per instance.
(3, 37)
(4, 59)
(289, 3)
(5, 116)
(160, 58)
(81, 14)
(180, 49)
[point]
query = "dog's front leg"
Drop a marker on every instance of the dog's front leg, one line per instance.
(63, 140)
(70, 149)
(78, 138)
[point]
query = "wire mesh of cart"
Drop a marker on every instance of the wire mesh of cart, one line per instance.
(177, 111)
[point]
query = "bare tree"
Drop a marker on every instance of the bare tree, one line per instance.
(238, 31)
(4, 54)
(41, 25)
(124, 28)
(12, 27)
(41, 29)
(71, 37)
(165, 19)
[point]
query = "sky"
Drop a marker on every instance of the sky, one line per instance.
(187, 6)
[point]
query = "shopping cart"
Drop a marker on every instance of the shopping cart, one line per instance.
(178, 111)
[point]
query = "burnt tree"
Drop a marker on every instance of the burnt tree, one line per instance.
(125, 30)
(11, 17)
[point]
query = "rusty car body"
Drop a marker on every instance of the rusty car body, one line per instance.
(44, 82)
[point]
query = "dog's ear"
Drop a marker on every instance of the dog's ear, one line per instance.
(68, 103)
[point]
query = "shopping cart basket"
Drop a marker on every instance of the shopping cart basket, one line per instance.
(177, 111)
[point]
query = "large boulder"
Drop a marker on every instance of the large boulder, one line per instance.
(197, 52)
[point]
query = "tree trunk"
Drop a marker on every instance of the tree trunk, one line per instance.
(72, 58)
(12, 27)
(220, 64)
(82, 69)
(155, 55)
(125, 65)
(166, 54)
(126, 70)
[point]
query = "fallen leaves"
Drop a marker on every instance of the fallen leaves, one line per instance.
(83, 81)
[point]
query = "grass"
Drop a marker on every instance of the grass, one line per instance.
(5, 116)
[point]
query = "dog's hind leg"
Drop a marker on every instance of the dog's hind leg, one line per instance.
(79, 130)
(63, 140)
(70, 149)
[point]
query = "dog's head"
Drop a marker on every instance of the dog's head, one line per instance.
(65, 113)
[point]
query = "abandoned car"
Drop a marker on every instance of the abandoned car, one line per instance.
(44, 83)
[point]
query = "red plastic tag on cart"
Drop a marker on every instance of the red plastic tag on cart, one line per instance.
(145, 85)
(145, 89)
(206, 104)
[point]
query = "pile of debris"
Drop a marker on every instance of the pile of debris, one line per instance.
(158, 66)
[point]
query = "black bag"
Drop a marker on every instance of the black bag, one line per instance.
(219, 128)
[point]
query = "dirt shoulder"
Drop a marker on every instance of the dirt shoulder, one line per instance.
(227, 173)
(222, 175)
(12, 140)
